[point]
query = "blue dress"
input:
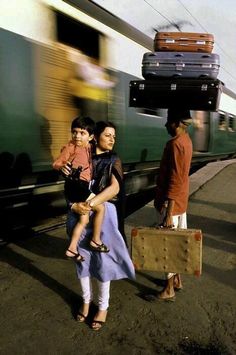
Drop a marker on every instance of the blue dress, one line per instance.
(114, 265)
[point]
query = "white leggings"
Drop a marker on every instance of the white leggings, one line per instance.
(179, 221)
(103, 292)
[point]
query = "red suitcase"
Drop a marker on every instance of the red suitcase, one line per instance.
(183, 42)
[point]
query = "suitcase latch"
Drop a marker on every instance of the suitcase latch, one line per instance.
(200, 42)
(173, 86)
(207, 66)
(170, 41)
(141, 87)
(204, 87)
(179, 66)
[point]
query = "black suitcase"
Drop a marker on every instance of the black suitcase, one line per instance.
(192, 94)
(180, 64)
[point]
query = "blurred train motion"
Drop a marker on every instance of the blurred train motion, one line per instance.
(59, 61)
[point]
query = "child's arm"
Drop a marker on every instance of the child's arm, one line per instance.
(62, 160)
(107, 194)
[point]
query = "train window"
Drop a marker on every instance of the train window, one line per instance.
(222, 122)
(232, 123)
(77, 35)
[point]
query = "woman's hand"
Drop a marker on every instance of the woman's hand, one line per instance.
(81, 207)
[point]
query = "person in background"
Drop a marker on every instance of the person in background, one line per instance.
(75, 163)
(103, 267)
(172, 190)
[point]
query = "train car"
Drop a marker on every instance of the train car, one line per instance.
(62, 59)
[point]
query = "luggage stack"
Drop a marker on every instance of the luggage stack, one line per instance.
(182, 70)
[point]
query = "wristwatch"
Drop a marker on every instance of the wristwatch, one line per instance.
(90, 203)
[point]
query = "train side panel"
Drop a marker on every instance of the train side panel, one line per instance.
(44, 88)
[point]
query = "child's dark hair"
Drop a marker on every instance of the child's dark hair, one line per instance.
(100, 127)
(82, 122)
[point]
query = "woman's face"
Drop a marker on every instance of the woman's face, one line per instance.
(106, 139)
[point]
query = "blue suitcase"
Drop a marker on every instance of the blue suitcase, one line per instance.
(180, 65)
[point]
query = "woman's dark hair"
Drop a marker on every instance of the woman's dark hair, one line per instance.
(100, 127)
(82, 122)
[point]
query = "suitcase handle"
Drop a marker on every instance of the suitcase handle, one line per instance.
(160, 226)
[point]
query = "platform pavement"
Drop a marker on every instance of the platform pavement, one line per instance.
(205, 174)
(40, 291)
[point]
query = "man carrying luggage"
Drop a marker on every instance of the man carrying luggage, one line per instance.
(172, 190)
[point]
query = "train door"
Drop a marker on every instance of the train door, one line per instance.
(201, 133)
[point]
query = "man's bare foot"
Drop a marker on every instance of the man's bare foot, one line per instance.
(99, 320)
(168, 293)
(177, 282)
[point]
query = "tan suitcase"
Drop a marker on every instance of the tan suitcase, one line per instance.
(184, 42)
(167, 250)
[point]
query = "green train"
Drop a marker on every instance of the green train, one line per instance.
(67, 59)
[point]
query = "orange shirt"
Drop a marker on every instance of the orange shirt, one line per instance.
(173, 179)
(79, 156)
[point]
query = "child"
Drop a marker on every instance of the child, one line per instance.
(75, 163)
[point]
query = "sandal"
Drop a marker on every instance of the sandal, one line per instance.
(102, 248)
(76, 256)
(166, 299)
(97, 324)
(81, 317)
(178, 289)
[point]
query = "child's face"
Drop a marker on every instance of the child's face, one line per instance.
(81, 137)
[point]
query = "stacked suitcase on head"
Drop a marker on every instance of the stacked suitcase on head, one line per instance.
(181, 72)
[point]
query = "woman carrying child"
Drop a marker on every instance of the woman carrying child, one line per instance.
(116, 264)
